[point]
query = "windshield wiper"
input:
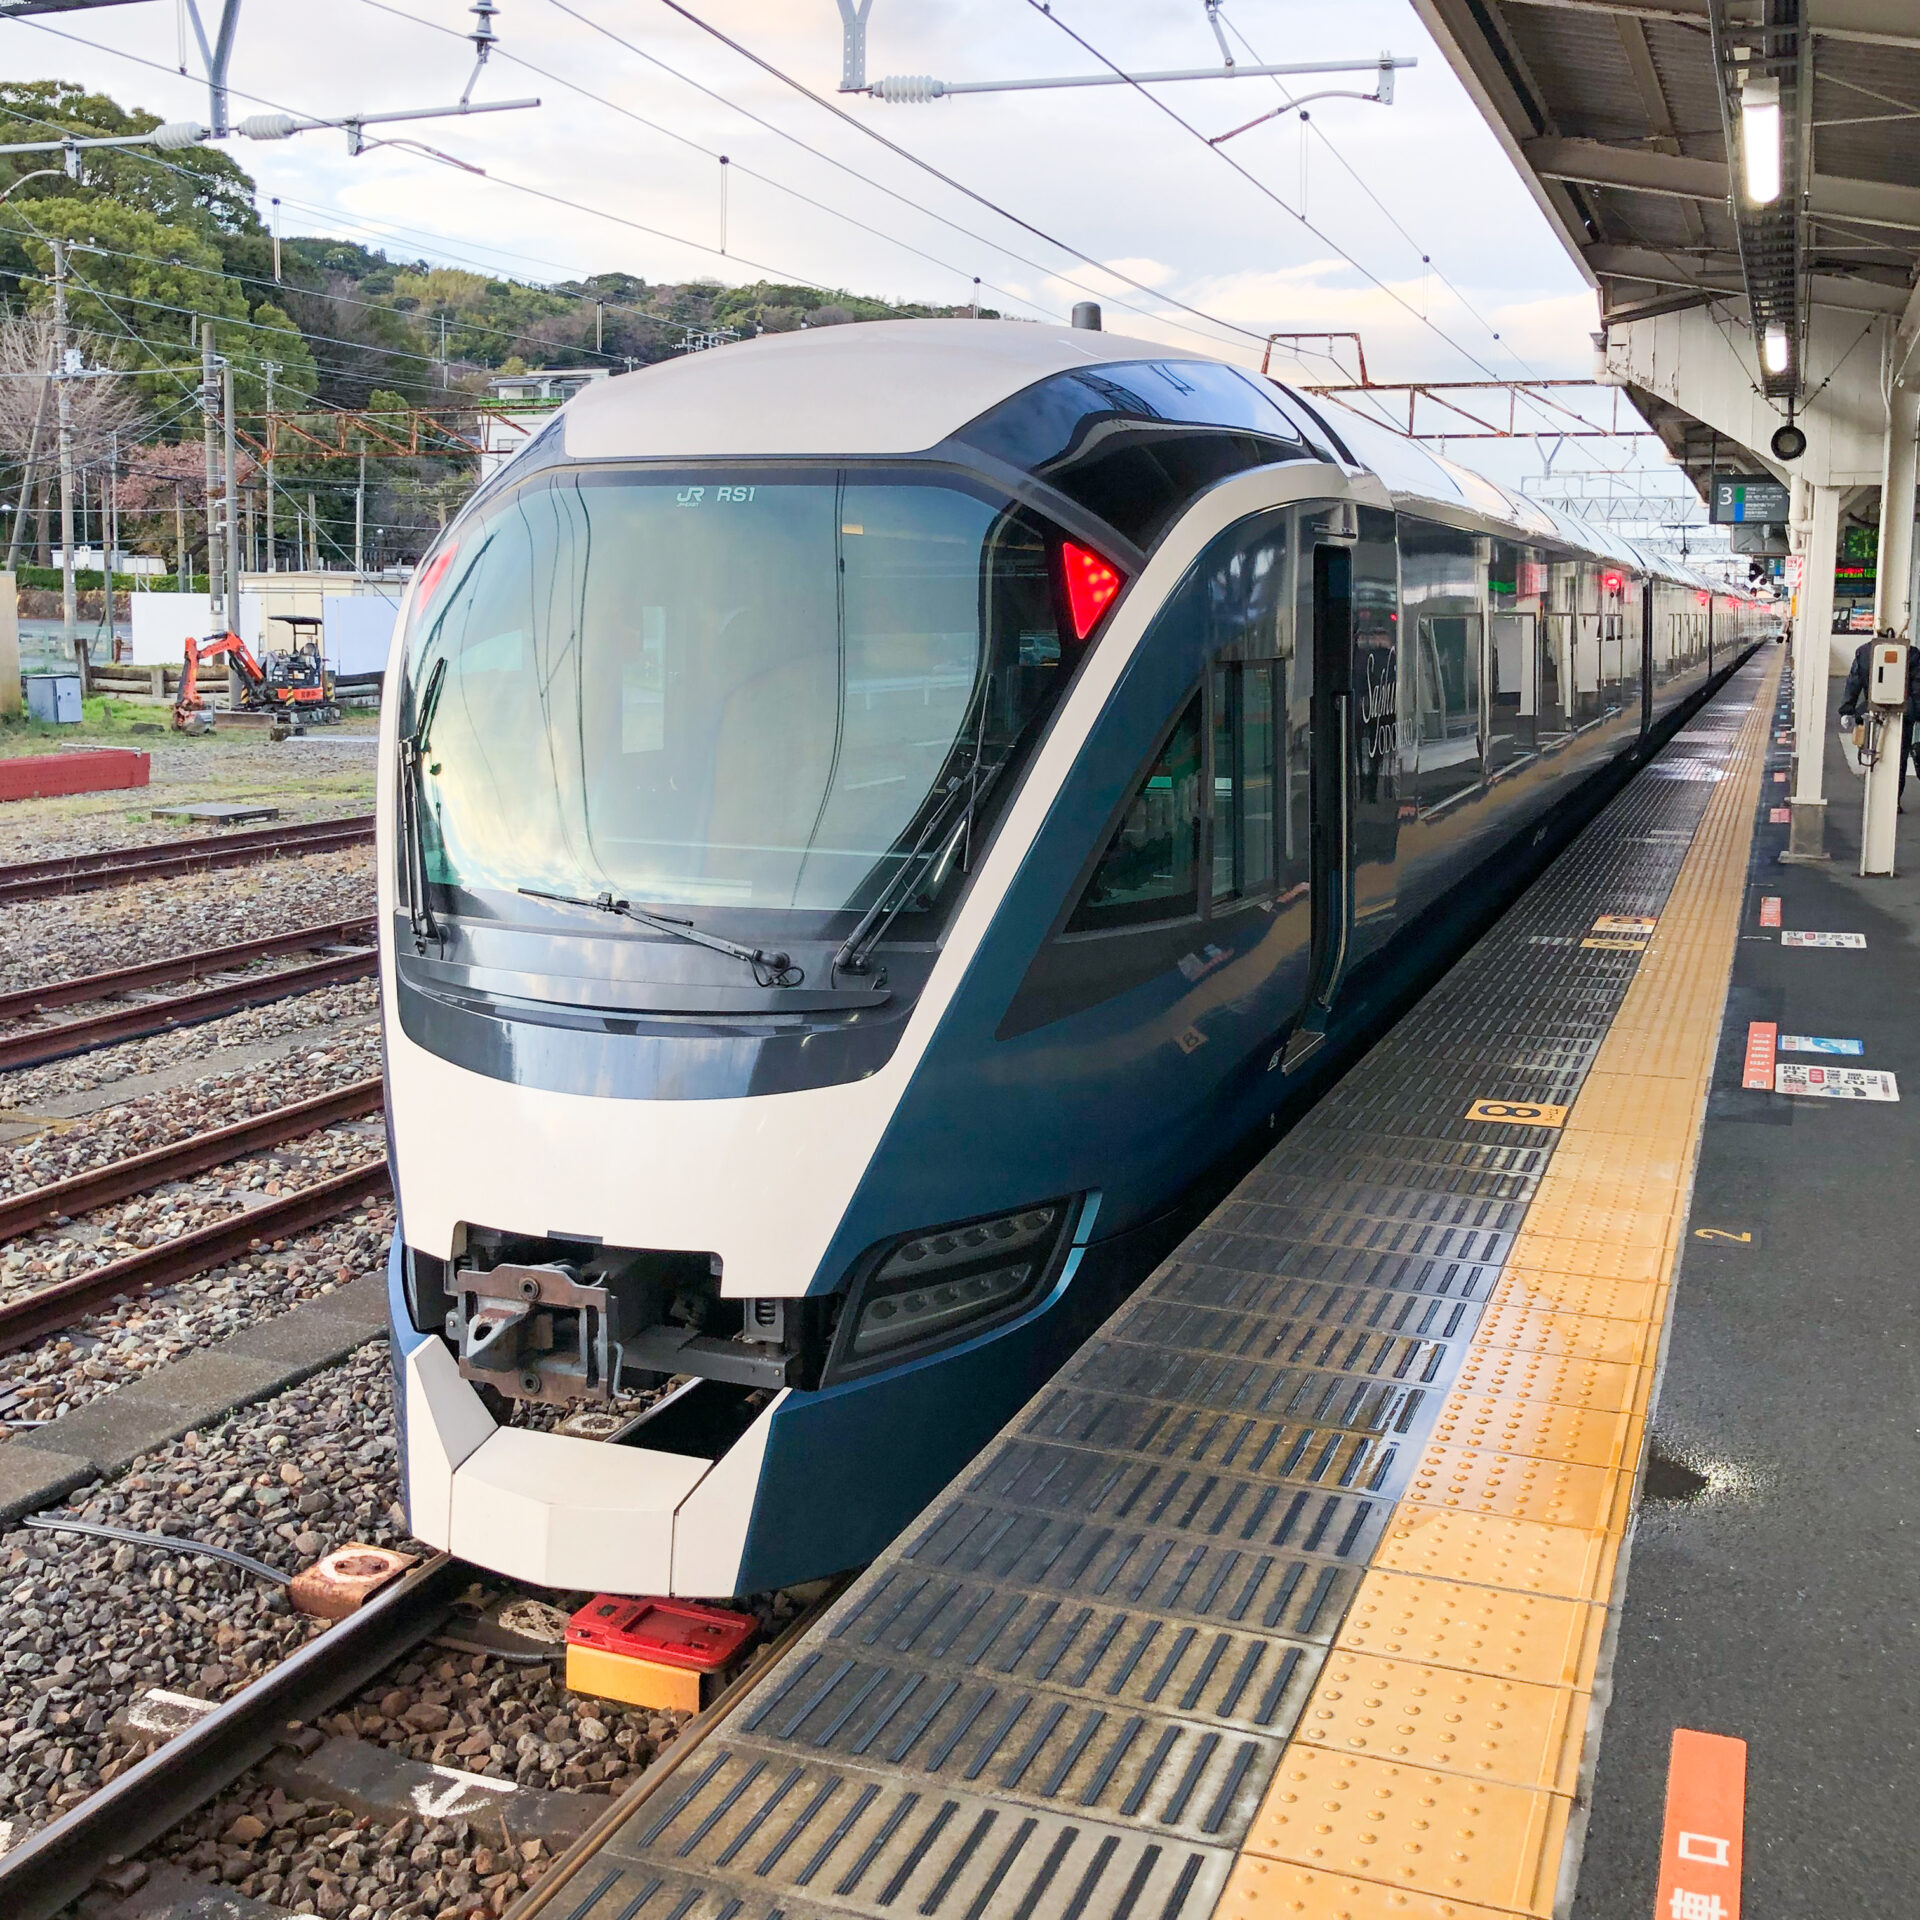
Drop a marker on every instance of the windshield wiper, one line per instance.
(769, 969)
(414, 750)
(856, 950)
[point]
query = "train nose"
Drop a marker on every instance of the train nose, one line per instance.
(562, 1511)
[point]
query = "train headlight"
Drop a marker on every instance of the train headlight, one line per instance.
(930, 1287)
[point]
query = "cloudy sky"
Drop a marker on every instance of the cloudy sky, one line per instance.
(1417, 234)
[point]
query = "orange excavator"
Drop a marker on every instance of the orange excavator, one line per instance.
(294, 687)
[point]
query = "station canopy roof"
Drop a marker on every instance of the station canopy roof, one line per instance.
(1622, 116)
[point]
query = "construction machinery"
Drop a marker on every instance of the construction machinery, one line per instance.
(294, 686)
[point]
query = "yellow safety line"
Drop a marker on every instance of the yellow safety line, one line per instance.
(1432, 1774)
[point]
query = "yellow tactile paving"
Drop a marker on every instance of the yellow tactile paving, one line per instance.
(1492, 1630)
(1479, 1480)
(1431, 1774)
(1622, 1218)
(1495, 1550)
(1261, 1889)
(1577, 1336)
(1509, 1730)
(1414, 1828)
(1591, 1436)
(1635, 1257)
(1572, 1291)
(1568, 1378)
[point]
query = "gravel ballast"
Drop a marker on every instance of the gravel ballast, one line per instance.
(31, 1087)
(67, 935)
(88, 1625)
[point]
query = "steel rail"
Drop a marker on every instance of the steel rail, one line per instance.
(186, 966)
(76, 873)
(59, 1863)
(62, 1199)
(49, 1309)
(40, 1044)
(668, 1762)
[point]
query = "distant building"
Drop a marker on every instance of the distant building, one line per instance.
(523, 400)
(544, 384)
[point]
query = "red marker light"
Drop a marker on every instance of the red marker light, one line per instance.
(1613, 582)
(1704, 598)
(430, 577)
(1091, 586)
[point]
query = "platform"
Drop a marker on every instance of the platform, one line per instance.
(1303, 1589)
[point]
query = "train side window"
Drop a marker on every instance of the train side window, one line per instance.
(1151, 868)
(1449, 695)
(1244, 780)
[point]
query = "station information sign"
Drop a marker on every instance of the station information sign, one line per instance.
(1741, 502)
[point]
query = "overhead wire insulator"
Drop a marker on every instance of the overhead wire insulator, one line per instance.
(177, 134)
(908, 89)
(270, 126)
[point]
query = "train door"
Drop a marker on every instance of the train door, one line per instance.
(1646, 651)
(1327, 585)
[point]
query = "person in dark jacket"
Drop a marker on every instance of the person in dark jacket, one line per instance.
(1854, 702)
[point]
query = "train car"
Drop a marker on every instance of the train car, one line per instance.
(871, 817)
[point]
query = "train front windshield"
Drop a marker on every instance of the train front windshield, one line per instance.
(726, 691)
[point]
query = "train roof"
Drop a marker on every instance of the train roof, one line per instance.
(875, 388)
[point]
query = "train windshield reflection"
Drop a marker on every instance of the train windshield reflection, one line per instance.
(727, 690)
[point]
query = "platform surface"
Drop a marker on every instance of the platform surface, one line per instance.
(1776, 1559)
(1297, 1591)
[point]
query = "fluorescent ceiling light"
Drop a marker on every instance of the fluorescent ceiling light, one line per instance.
(1774, 350)
(1760, 140)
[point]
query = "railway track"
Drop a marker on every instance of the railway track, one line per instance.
(55, 1866)
(34, 1046)
(60, 1862)
(49, 1309)
(78, 873)
(44, 1206)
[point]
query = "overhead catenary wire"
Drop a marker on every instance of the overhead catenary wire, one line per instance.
(1320, 133)
(713, 153)
(383, 230)
(497, 179)
(959, 186)
(879, 186)
(1045, 9)
(446, 160)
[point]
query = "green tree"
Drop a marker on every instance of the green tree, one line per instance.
(134, 280)
(271, 337)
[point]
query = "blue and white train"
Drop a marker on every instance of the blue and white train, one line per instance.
(871, 818)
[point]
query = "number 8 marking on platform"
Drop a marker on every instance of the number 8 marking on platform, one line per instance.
(1518, 1113)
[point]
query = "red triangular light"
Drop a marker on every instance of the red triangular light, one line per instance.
(1091, 586)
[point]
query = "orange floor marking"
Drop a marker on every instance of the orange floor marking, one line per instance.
(1701, 1849)
(1437, 1758)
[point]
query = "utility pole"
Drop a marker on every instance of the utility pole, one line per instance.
(276, 242)
(209, 400)
(230, 516)
(180, 536)
(270, 368)
(599, 326)
(360, 519)
(113, 543)
(64, 401)
(313, 537)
